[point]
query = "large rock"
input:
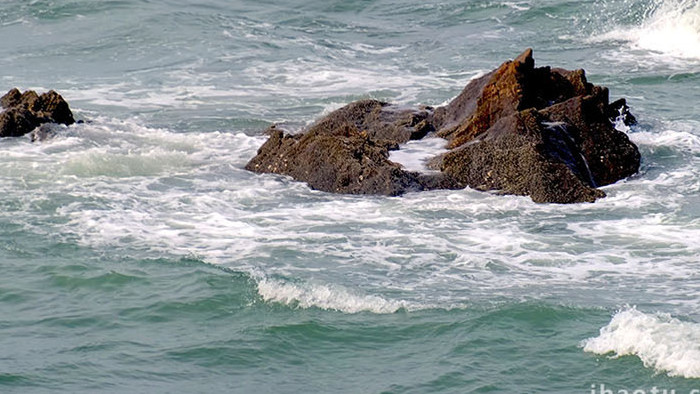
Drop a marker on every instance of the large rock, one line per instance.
(547, 133)
(542, 132)
(522, 154)
(23, 112)
(514, 86)
(348, 151)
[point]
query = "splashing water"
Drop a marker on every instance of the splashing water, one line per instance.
(666, 27)
(660, 341)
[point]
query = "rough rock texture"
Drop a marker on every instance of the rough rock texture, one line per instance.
(348, 151)
(547, 133)
(542, 132)
(23, 112)
(518, 155)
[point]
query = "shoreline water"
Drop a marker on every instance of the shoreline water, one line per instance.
(139, 256)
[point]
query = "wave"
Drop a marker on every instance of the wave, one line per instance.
(319, 79)
(152, 192)
(659, 340)
(670, 28)
(679, 137)
(325, 297)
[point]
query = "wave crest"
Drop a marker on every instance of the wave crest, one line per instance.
(667, 27)
(324, 297)
(659, 340)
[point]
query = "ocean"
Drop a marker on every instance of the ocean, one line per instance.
(138, 256)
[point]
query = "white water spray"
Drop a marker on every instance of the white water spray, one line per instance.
(668, 28)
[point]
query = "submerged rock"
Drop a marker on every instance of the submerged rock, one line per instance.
(547, 133)
(24, 112)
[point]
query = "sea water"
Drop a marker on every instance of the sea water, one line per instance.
(137, 255)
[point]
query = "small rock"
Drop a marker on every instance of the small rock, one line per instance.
(24, 112)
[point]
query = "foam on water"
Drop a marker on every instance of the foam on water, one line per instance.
(659, 340)
(668, 30)
(320, 79)
(519, 5)
(681, 136)
(131, 95)
(413, 155)
(151, 192)
(325, 297)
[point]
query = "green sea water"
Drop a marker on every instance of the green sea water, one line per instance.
(138, 256)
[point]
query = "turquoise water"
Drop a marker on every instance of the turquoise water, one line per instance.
(138, 256)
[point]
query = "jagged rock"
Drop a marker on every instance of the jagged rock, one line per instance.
(543, 132)
(379, 120)
(608, 153)
(23, 112)
(348, 152)
(521, 155)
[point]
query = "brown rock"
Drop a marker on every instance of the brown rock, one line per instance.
(379, 120)
(515, 86)
(609, 153)
(340, 159)
(519, 155)
(11, 99)
(26, 111)
(542, 132)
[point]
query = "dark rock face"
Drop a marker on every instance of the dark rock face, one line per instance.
(518, 155)
(542, 132)
(348, 151)
(23, 112)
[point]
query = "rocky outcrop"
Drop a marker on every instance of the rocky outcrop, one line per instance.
(24, 112)
(547, 133)
(542, 132)
(348, 151)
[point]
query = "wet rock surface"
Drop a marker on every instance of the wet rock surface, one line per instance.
(542, 132)
(348, 151)
(24, 112)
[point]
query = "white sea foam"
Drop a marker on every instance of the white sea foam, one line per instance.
(320, 79)
(151, 192)
(519, 5)
(413, 155)
(185, 94)
(375, 50)
(659, 340)
(670, 29)
(327, 297)
(297, 82)
(679, 136)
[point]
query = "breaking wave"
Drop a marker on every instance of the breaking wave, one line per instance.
(659, 340)
(324, 297)
(670, 28)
